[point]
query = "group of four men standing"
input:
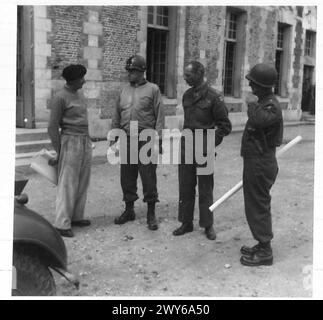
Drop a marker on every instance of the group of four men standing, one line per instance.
(204, 108)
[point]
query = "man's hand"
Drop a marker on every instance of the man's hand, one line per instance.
(53, 162)
(251, 98)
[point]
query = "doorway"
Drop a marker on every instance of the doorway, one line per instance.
(157, 57)
(25, 113)
(308, 90)
(162, 48)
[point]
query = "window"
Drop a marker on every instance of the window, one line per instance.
(282, 59)
(230, 51)
(158, 16)
(233, 53)
(279, 55)
(157, 46)
(309, 43)
(19, 87)
(25, 115)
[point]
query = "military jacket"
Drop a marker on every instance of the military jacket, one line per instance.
(141, 103)
(204, 108)
(264, 128)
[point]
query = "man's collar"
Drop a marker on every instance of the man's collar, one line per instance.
(69, 88)
(265, 94)
(200, 87)
(140, 83)
(200, 90)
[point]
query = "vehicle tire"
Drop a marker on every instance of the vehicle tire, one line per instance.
(33, 277)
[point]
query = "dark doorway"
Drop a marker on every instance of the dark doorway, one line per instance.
(308, 90)
(157, 57)
(24, 68)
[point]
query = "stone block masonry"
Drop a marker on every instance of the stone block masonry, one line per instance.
(103, 37)
(43, 72)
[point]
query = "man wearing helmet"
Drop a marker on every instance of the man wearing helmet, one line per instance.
(262, 134)
(139, 102)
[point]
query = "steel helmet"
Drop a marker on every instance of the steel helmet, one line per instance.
(136, 62)
(265, 75)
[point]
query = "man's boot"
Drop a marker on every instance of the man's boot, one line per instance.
(127, 215)
(210, 233)
(184, 228)
(151, 217)
(263, 256)
(249, 251)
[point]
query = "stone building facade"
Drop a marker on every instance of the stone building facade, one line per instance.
(227, 40)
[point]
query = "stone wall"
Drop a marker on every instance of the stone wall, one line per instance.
(43, 71)
(103, 37)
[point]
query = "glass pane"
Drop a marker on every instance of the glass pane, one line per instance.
(280, 37)
(278, 68)
(231, 26)
(159, 20)
(309, 43)
(229, 68)
(156, 71)
(162, 16)
(165, 21)
(150, 15)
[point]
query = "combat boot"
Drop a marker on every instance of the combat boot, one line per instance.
(127, 215)
(249, 251)
(210, 233)
(151, 217)
(184, 228)
(262, 256)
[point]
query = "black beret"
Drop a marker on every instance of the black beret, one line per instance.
(73, 72)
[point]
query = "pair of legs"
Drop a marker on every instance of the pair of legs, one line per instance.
(128, 177)
(259, 175)
(188, 179)
(74, 170)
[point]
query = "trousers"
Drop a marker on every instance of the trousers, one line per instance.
(129, 175)
(188, 179)
(259, 175)
(74, 170)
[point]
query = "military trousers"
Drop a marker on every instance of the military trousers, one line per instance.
(74, 170)
(259, 175)
(188, 179)
(129, 176)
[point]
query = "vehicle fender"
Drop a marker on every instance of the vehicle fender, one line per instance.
(31, 228)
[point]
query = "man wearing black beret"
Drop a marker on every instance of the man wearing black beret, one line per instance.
(69, 134)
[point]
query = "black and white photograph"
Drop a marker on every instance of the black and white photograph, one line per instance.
(163, 151)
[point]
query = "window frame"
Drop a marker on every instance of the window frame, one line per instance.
(155, 25)
(171, 47)
(310, 51)
(283, 49)
(154, 73)
(239, 51)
